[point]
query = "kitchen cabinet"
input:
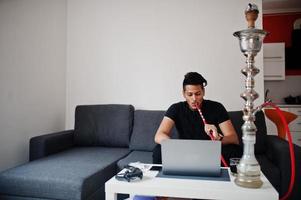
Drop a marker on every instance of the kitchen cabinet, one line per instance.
(294, 126)
(274, 61)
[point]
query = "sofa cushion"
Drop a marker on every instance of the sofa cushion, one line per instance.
(73, 174)
(146, 123)
(103, 125)
(10, 197)
(136, 156)
(261, 134)
(270, 170)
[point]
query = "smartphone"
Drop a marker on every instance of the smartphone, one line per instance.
(156, 168)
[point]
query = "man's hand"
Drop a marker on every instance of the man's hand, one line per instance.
(210, 129)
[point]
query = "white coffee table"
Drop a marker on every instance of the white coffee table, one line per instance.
(151, 185)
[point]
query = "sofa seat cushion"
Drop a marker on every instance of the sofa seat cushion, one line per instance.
(73, 174)
(8, 197)
(103, 125)
(136, 156)
(271, 171)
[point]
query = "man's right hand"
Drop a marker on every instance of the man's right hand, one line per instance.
(210, 129)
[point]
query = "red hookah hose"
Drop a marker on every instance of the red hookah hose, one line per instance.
(211, 136)
(291, 149)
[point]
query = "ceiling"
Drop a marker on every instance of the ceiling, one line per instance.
(281, 6)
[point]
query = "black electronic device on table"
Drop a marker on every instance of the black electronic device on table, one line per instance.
(129, 173)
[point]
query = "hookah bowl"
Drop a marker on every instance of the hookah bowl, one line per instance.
(250, 41)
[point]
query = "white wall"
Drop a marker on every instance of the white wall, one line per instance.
(137, 51)
(32, 74)
(118, 51)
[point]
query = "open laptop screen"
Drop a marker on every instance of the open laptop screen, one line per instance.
(191, 157)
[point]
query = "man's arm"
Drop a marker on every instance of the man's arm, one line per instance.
(164, 130)
(230, 135)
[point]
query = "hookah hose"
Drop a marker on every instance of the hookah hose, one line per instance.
(291, 148)
(211, 136)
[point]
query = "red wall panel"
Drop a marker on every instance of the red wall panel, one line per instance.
(280, 27)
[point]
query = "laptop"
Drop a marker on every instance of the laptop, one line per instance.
(191, 157)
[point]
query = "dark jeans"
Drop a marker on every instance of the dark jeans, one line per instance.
(228, 151)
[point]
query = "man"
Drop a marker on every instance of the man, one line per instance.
(188, 122)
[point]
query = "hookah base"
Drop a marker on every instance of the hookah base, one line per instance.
(247, 183)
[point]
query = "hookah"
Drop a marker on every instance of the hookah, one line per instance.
(248, 169)
(250, 41)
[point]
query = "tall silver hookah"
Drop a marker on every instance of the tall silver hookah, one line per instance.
(250, 41)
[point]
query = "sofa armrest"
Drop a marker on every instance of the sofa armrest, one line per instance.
(278, 153)
(44, 145)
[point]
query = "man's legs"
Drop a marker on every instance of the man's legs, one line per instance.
(157, 155)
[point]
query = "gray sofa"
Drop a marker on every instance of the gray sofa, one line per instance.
(75, 164)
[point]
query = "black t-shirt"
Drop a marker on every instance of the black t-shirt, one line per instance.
(189, 122)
